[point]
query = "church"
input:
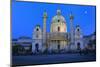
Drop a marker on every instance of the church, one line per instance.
(58, 39)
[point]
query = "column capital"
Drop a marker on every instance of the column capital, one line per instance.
(45, 14)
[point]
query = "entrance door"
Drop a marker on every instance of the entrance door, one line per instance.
(78, 46)
(37, 47)
(58, 45)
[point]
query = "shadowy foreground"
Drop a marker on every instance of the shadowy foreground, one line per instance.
(51, 59)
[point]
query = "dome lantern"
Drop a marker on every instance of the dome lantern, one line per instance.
(58, 12)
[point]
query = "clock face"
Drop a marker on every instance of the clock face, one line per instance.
(78, 29)
(37, 29)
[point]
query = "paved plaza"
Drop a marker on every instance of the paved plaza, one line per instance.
(48, 59)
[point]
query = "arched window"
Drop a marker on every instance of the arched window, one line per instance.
(37, 35)
(58, 29)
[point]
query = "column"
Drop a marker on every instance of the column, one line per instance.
(44, 28)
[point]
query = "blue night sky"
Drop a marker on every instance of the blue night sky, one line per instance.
(26, 15)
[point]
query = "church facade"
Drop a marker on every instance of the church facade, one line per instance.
(58, 39)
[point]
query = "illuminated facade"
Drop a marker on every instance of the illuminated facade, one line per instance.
(58, 39)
